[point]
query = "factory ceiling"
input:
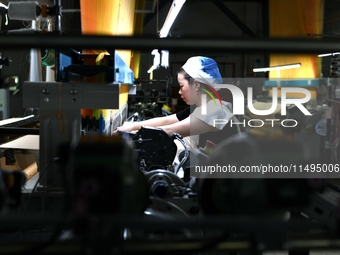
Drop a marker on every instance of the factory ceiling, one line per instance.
(207, 18)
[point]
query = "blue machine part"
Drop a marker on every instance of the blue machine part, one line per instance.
(65, 61)
(123, 73)
(118, 72)
(292, 83)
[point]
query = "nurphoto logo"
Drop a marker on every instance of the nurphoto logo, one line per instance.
(238, 105)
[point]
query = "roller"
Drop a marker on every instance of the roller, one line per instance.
(30, 171)
(24, 10)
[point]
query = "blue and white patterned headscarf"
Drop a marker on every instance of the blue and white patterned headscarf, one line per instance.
(204, 70)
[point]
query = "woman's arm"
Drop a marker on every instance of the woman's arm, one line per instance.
(189, 126)
(154, 122)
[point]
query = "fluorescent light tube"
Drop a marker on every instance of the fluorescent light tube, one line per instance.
(266, 69)
(328, 54)
(176, 6)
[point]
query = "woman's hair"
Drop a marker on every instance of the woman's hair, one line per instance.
(186, 75)
(225, 94)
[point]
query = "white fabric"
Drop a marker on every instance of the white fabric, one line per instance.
(204, 70)
(215, 112)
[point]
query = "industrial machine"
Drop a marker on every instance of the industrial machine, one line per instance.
(97, 193)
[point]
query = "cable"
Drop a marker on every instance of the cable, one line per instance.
(186, 151)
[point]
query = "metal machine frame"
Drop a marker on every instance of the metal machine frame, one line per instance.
(60, 118)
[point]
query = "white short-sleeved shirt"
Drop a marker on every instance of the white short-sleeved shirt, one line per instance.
(214, 112)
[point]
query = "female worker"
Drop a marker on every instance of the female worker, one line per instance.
(207, 117)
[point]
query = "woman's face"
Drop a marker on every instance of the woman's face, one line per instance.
(185, 89)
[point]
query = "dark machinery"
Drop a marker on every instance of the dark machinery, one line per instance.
(257, 192)
(155, 148)
(117, 205)
(156, 152)
(10, 188)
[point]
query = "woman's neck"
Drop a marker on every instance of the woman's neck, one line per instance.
(199, 102)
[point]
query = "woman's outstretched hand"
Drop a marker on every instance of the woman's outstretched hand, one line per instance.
(126, 127)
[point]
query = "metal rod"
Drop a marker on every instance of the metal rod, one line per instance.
(57, 29)
(135, 220)
(22, 131)
(239, 23)
(228, 45)
(57, 5)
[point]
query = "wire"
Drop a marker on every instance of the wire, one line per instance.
(60, 115)
(186, 151)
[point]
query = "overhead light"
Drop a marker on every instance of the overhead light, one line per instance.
(266, 69)
(328, 54)
(176, 6)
